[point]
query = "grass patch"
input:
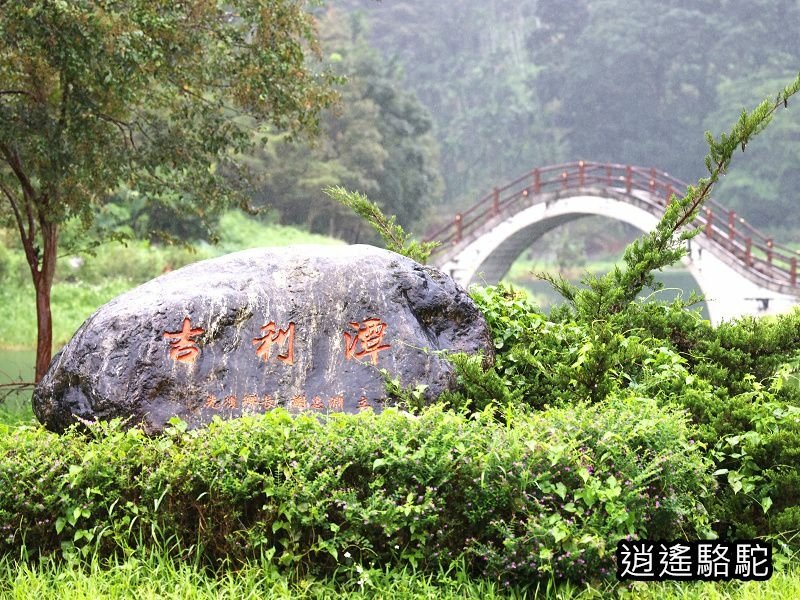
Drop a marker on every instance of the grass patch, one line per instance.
(240, 232)
(16, 409)
(158, 576)
(155, 575)
(72, 304)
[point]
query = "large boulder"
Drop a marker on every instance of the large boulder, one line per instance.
(307, 328)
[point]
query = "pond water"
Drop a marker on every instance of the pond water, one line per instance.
(16, 365)
(676, 282)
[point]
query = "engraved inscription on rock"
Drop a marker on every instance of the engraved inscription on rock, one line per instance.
(306, 328)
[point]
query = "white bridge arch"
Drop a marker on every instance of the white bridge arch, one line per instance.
(739, 270)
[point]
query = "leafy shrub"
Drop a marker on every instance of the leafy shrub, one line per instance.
(542, 495)
(761, 489)
(730, 356)
(734, 380)
(602, 476)
(543, 361)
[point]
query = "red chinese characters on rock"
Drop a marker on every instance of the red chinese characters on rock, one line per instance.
(184, 348)
(276, 337)
(336, 403)
(299, 402)
(251, 402)
(366, 341)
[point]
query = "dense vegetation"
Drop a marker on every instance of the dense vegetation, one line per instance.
(667, 429)
(608, 418)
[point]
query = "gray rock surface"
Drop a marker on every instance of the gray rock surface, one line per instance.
(307, 328)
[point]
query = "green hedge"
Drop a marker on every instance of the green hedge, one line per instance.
(540, 495)
(739, 383)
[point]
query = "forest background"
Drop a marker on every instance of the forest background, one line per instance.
(446, 100)
(442, 102)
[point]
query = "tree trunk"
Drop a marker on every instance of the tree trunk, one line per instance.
(44, 321)
(43, 282)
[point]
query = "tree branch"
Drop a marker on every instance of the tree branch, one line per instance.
(737, 140)
(701, 198)
(25, 238)
(15, 92)
(13, 161)
(17, 216)
(29, 193)
(7, 389)
(126, 129)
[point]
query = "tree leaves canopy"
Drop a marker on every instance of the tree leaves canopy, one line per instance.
(157, 95)
(153, 96)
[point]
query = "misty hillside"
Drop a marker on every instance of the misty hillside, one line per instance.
(510, 85)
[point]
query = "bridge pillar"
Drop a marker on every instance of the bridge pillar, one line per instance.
(728, 293)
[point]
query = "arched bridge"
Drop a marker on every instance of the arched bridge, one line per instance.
(740, 270)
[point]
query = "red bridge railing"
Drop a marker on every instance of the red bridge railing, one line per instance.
(737, 240)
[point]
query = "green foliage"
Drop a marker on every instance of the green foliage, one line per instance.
(6, 264)
(155, 575)
(543, 361)
(627, 92)
(81, 115)
(378, 141)
(102, 96)
(510, 86)
(601, 479)
(411, 398)
(735, 382)
(395, 238)
(73, 302)
(758, 465)
(539, 496)
(238, 231)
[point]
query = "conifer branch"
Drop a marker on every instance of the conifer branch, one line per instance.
(393, 235)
